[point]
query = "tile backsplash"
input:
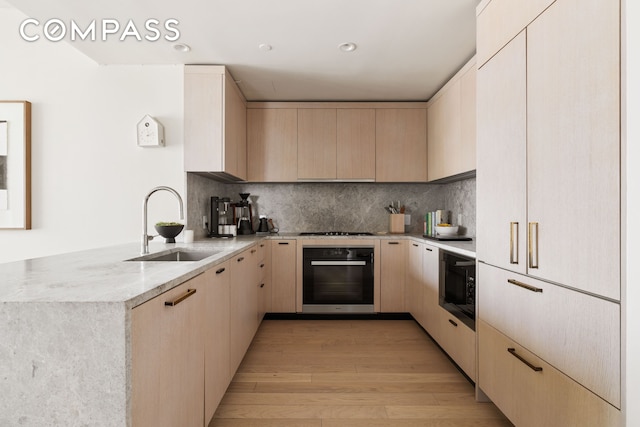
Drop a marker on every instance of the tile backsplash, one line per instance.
(296, 207)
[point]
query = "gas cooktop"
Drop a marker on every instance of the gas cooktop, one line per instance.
(336, 233)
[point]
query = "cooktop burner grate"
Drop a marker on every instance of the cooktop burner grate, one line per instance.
(336, 233)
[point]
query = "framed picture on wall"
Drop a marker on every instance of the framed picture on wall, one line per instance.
(15, 165)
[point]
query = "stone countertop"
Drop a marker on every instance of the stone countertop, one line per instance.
(104, 276)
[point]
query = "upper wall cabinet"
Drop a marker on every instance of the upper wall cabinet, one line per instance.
(356, 149)
(337, 141)
(500, 21)
(401, 145)
(215, 118)
(452, 126)
(272, 136)
(317, 143)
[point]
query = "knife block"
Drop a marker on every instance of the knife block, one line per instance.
(396, 223)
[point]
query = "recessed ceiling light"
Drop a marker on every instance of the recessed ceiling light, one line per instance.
(265, 47)
(181, 47)
(347, 47)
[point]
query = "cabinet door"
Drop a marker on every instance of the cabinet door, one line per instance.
(283, 276)
(235, 130)
(272, 144)
(502, 20)
(243, 305)
(264, 279)
(356, 144)
(414, 301)
(468, 122)
(216, 337)
(431, 280)
(531, 392)
(393, 254)
(573, 77)
(401, 145)
(168, 357)
(317, 143)
(502, 145)
(444, 146)
(578, 333)
(459, 341)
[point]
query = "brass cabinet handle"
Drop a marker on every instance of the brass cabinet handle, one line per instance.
(262, 285)
(453, 323)
(524, 285)
(240, 259)
(283, 243)
(523, 360)
(180, 298)
(253, 251)
(220, 271)
(261, 265)
(430, 250)
(533, 245)
(394, 243)
(415, 244)
(513, 243)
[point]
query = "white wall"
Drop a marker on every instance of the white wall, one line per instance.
(631, 320)
(89, 177)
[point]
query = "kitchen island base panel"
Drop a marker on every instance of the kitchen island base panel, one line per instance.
(62, 364)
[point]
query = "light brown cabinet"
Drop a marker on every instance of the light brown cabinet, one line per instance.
(264, 279)
(556, 127)
(401, 145)
(393, 255)
(458, 340)
(531, 392)
(499, 21)
(431, 281)
(243, 304)
(317, 153)
(167, 356)
(272, 141)
(452, 126)
(414, 285)
(215, 123)
(217, 339)
(283, 276)
(356, 144)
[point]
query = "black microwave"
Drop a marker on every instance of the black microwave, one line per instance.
(458, 286)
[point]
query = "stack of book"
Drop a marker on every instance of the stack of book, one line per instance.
(431, 219)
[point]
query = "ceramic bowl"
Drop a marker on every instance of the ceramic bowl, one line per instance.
(169, 232)
(447, 231)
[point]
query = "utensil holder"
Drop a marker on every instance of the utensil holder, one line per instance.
(396, 223)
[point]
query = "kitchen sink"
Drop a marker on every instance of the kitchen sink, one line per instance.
(178, 255)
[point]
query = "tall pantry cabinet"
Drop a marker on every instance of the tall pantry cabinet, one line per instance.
(548, 209)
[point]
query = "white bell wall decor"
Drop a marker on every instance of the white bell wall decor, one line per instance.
(150, 132)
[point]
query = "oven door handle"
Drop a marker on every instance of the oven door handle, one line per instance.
(339, 263)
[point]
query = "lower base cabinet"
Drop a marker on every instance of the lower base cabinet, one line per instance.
(217, 337)
(531, 392)
(243, 305)
(458, 340)
(167, 335)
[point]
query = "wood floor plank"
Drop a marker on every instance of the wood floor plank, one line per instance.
(350, 373)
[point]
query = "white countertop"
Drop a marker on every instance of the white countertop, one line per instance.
(104, 276)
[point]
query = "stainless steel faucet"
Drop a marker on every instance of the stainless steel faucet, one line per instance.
(145, 236)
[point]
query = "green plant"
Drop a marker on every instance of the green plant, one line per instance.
(167, 224)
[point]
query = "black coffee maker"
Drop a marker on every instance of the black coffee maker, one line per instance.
(244, 215)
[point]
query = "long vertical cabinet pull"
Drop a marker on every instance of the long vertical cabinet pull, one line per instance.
(513, 242)
(533, 245)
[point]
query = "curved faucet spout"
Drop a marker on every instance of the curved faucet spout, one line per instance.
(145, 236)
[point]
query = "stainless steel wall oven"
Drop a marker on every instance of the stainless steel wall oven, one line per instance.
(337, 280)
(458, 286)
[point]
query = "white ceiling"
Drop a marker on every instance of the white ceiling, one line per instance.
(406, 49)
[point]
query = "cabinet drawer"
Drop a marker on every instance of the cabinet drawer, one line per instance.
(502, 20)
(577, 333)
(535, 395)
(459, 341)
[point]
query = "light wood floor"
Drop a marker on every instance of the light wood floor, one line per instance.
(349, 373)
